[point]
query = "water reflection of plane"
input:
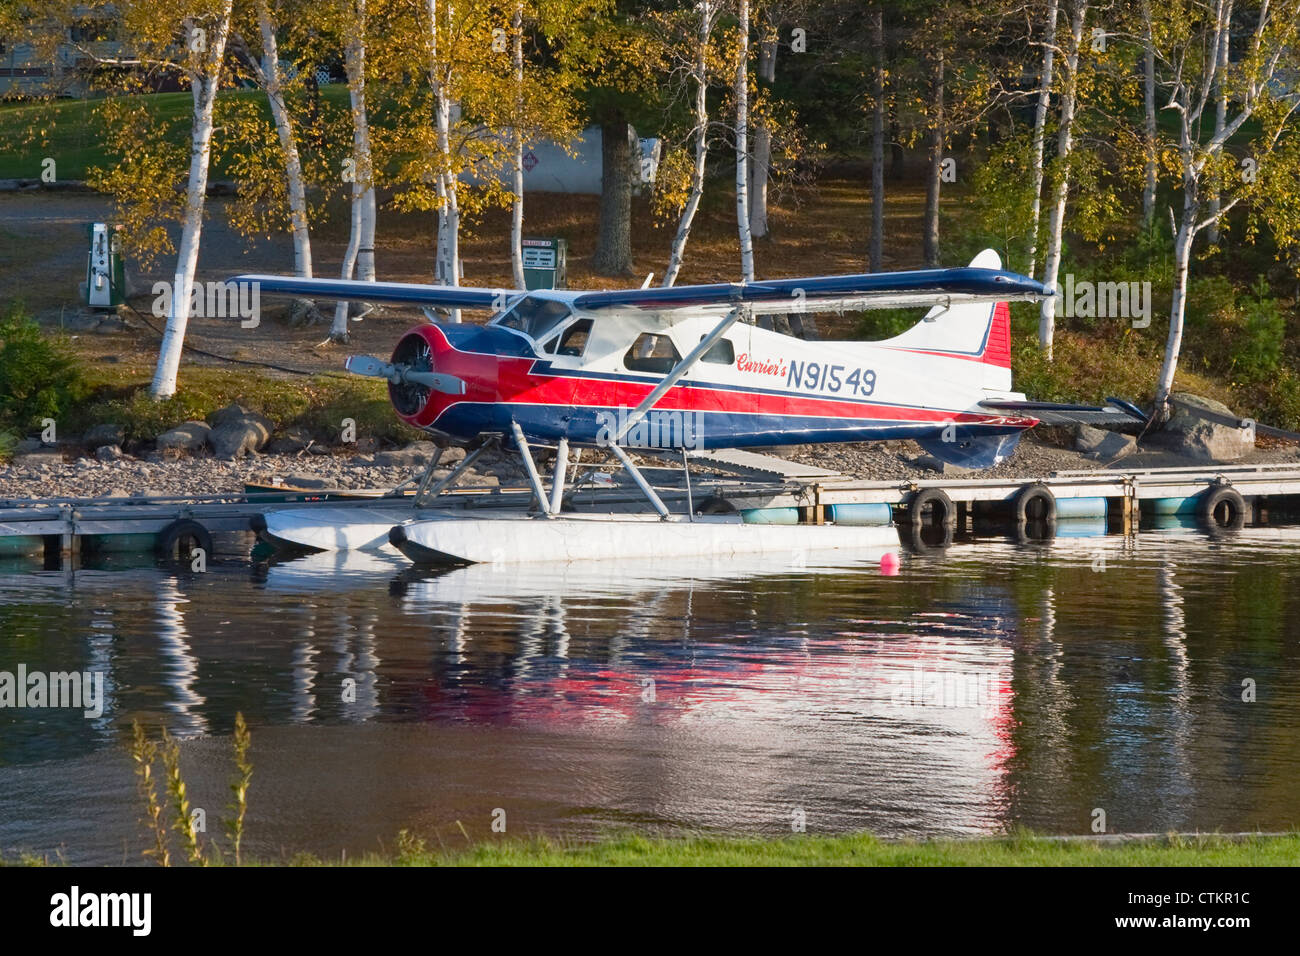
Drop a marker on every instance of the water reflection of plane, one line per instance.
(333, 570)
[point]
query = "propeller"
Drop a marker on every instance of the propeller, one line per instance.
(403, 374)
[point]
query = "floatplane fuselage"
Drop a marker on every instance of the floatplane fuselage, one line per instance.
(689, 367)
(678, 369)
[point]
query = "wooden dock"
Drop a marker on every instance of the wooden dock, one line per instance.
(63, 524)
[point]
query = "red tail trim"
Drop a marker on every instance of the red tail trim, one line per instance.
(997, 351)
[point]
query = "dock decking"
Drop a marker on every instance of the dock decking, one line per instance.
(62, 523)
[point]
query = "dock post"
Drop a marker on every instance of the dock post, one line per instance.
(69, 540)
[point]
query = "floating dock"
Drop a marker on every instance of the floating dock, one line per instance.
(1219, 497)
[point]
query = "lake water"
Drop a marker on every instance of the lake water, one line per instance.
(990, 686)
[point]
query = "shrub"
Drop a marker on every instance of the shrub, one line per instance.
(1257, 349)
(40, 376)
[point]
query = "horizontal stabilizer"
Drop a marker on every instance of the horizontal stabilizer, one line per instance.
(1114, 412)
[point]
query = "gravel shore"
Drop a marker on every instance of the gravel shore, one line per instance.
(129, 477)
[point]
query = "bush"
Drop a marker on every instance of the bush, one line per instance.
(40, 376)
(1257, 350)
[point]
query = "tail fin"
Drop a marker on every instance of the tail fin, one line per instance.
(975, 331)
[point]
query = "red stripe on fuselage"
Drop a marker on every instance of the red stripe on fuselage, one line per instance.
(498, 379)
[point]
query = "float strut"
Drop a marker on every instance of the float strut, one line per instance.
(531, 467)
(686, 471)
(425, 493)
(557, 482)
(641, 483)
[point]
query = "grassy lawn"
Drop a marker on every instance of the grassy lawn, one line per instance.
(850, 850)
(320, 402)
(847, 850)
(70, 130)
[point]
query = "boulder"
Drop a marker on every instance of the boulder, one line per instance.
(1205, 430)
(42, 458)
(238, 413)
(415, 455)
(309, 481)
(185, 437)
(1103, 445)
(237, 439)
(236, 431)
(294, 441)
(101, 435)
(931, 463)
(109, 453)
(303, 312)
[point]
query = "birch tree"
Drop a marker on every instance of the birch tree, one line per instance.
(762, 163)
(359, 257)
(204, 30)
(706, 19)
(1040, 124)
(1187, 41)
(1150, 160)
(1077, 11)
(742, 143)
(517, 147)
(1220, 118)
(271, 79)
(245, 132)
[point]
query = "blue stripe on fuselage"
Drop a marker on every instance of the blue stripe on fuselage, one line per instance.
(592, 426)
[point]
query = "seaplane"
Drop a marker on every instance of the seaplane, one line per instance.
(675, 370)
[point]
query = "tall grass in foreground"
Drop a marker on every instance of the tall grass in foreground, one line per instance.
(184, 820)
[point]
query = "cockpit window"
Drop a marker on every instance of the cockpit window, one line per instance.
(652, 353)
(535, 316)
(574, 339)
(721, 353)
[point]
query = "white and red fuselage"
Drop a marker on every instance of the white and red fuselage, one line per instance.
(572, 365)
(756, 387)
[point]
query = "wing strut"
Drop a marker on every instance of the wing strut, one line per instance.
(680, 369)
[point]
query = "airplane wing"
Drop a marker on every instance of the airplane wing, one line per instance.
(881, 290)
(401, 293)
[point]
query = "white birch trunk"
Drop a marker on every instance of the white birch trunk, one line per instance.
(1177, 308)
(1220, 118)
(1196, 156)
(742, 148)
(360, 254)
(204, 84)
(448, 266)
(1065, 142)
(762, 149)
(517, 151)
(700, 75)
(296, 191)
(1040, 127)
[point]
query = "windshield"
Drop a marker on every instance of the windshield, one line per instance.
(534, 316)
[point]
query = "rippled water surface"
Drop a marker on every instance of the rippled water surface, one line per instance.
(990, 686)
